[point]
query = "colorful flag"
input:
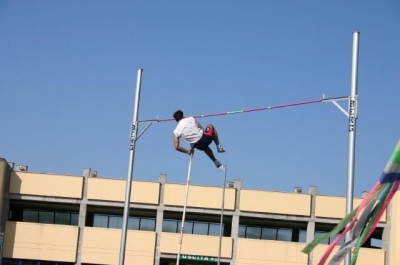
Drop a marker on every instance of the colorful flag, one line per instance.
(361, 228)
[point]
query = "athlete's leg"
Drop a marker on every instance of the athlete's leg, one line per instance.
(211, 131)
(210, 154)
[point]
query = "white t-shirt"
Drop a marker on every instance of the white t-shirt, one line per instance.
(188, 130)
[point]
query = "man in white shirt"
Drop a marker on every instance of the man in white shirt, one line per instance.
(191, 131)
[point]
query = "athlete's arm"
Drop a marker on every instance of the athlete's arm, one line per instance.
(178, 147)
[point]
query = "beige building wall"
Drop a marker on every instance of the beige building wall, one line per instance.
(275, 202)
(196, 245)
(42, 184)
(102, 246)
(40, 241)
(266, 252)
(114, 190)
(394, 247)
(335, 207)
(366, 256)
(199, 196)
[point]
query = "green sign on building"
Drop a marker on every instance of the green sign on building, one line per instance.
(202, 258)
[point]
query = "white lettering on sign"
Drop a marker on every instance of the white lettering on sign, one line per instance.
(201, 258)
(133, 136)
(352, 115)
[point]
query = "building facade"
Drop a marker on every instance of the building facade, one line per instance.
(61, 219)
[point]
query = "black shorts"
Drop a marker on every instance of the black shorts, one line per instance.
(205, 139)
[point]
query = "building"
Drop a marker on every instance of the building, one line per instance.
(59, 219)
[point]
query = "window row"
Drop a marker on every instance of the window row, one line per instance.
(289, 234)
(32, 262)
(149, 224)
(371, 242)
(273, 233)
(294, 235)
(192, 227)
(50, 217)
(115, 221)
(328, 241)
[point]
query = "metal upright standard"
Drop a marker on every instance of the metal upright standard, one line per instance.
(221, 223)
(353, 115)
(184, 210)
(133, 138)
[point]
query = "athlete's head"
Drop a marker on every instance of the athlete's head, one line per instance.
(178, 115)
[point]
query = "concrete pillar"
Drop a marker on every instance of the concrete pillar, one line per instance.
(5, 207)
(159, 219)
(312, 190)
(11, 165)
(5, 174)
(235, 219)
(82, 215)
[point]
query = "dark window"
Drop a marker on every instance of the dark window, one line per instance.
(269, 233)
(46, 217)
(100, 220)
(165, 261)
(74, 218)
(302, 236)
(30, 216)
(188, 227)
(133, 223)
(200, 228)
(115, 222)
(376, 243)
(215, 229)
(62, 218)
(242, 231)
(147, 224)
(170, 226)
(253, 232)
(10, 262)
(284, 234)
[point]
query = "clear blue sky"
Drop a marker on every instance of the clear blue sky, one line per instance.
(68, 72)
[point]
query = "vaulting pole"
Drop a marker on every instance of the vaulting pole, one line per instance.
(133, 138)
(184, 209)
(353, 115)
